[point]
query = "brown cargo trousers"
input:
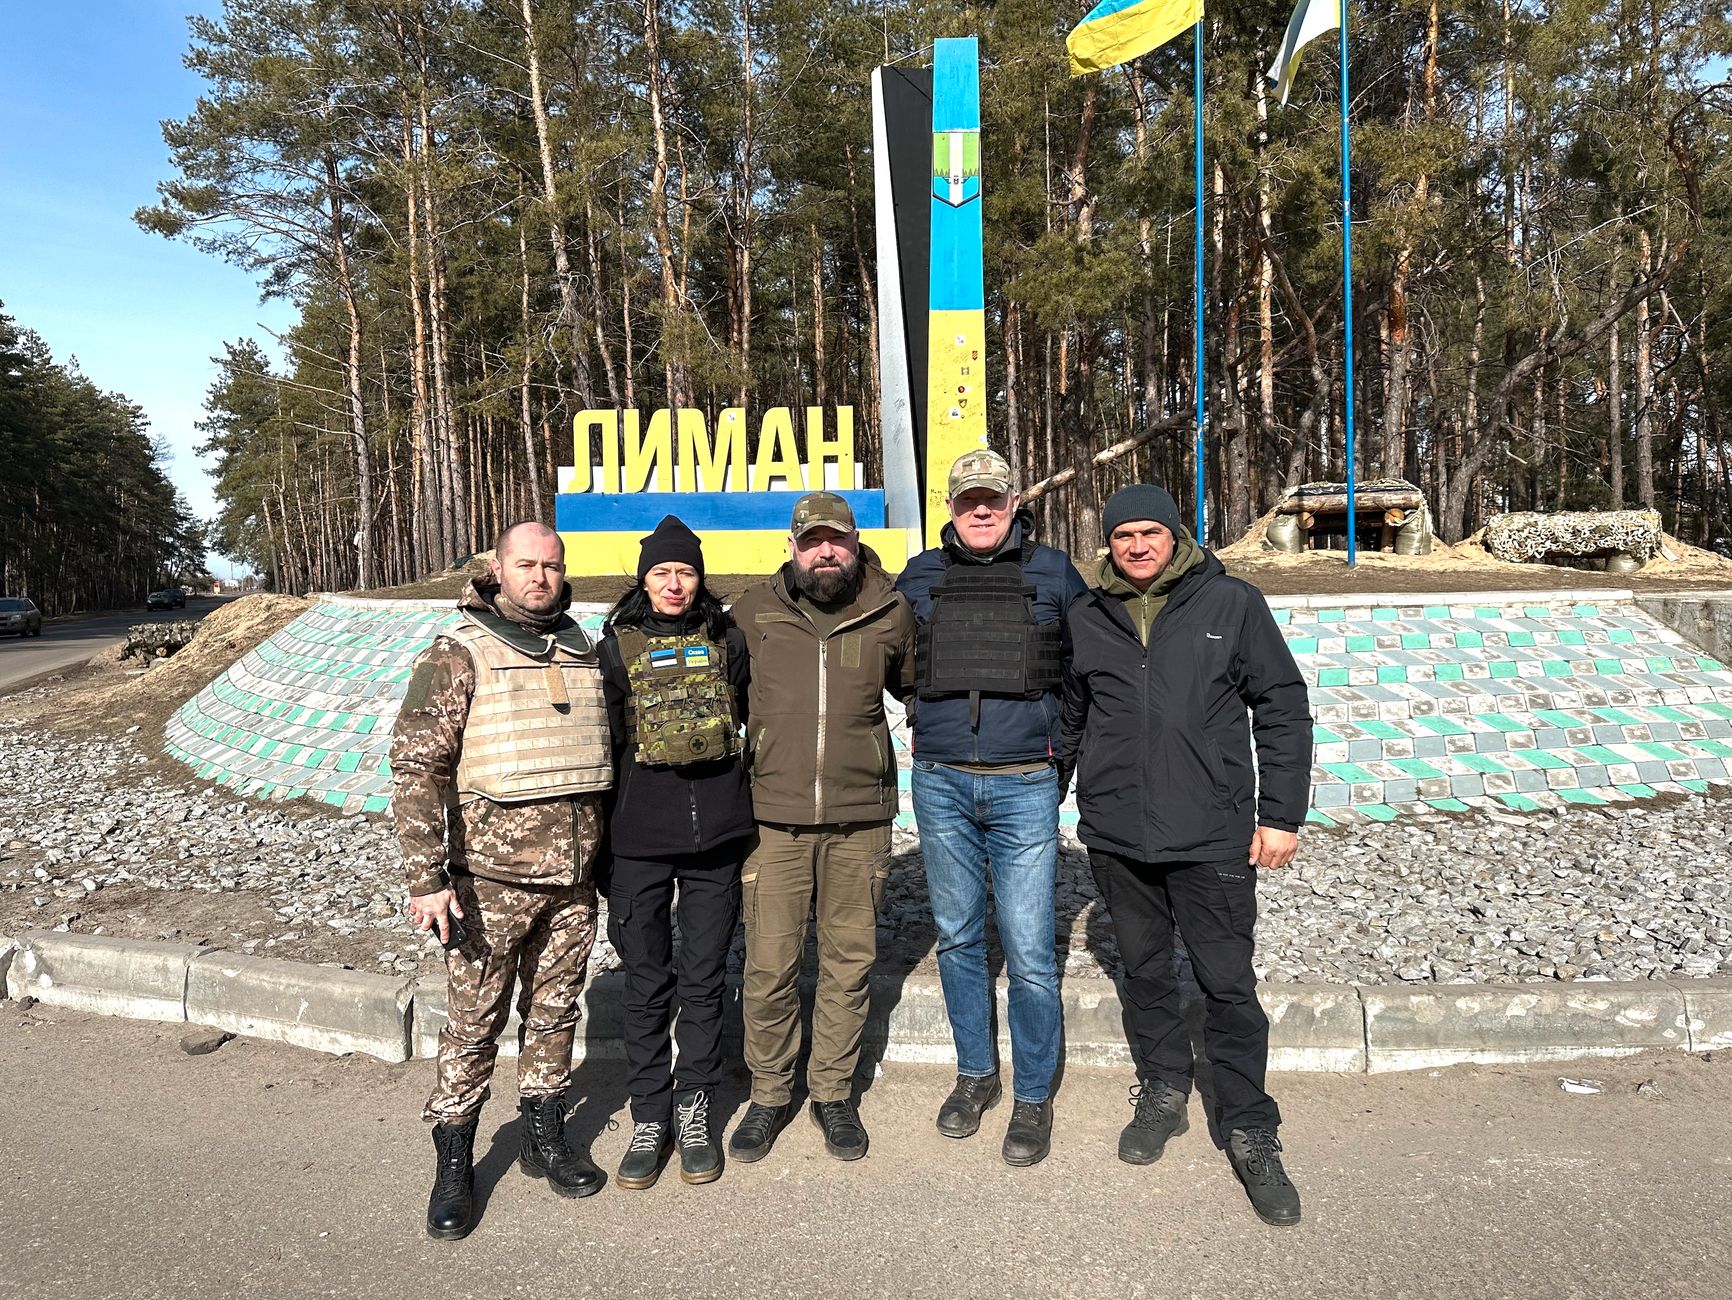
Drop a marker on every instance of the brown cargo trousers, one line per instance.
(847, 866)
(536, 939)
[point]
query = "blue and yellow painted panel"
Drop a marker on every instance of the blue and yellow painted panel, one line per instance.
(956, 349)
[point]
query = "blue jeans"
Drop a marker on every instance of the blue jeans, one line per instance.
(1009, 823)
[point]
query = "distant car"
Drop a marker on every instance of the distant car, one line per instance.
(169, 598)
(20, 616)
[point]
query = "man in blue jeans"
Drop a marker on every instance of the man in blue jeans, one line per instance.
(990, 606)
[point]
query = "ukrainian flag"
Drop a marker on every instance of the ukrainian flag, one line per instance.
(1115, 31)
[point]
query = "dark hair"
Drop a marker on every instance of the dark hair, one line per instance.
(631, 609)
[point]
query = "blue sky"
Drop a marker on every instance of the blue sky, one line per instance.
(82, 89)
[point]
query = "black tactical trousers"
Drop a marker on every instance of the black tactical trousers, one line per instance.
(1213, 905)
(640, 926)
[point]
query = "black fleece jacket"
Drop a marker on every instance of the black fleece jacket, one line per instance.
(1158, 736)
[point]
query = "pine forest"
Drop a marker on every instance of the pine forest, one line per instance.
(492, 214)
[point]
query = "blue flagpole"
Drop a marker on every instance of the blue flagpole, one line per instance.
(1347, 283)
(1202, 416)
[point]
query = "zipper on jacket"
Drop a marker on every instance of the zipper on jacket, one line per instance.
(823, 724)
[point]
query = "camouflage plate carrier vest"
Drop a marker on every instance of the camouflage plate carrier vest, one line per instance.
(537, 726)
(682, 706)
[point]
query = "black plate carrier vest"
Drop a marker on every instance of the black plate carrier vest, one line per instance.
(983, 639)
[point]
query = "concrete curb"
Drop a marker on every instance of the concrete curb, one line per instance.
(1327, 1028)
(94, 972)
(322, 1007)
(1423, 1027)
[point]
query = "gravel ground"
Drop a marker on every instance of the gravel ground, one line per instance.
(97, 837)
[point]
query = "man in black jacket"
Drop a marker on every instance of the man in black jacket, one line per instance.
(1165, 654)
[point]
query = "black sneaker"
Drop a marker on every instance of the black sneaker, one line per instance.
(543, 1152)
(844, 1135)
(959, 1116)
(1160, 1115)
(1256, 1157)
(700, 1152)
(756, 1132)
(451, 1207)
(1029, 1136)
(652, 1142)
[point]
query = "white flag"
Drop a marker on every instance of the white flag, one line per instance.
(1310, 19)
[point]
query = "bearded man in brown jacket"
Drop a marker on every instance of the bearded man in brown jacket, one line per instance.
(500, 756)
(828, 635)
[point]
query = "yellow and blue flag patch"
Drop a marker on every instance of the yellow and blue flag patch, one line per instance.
(1116, 31)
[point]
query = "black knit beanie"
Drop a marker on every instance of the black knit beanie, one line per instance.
(671, 543)
(1141, 501)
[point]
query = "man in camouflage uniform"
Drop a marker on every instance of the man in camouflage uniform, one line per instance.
(500, 756)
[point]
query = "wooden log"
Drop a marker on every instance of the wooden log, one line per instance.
(1307, 520)
(1395, 518)
(1336, 503)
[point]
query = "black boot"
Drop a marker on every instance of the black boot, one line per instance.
(959, 1116)
(844, 1134)
(451, 1208)
(756, 1132)
(543, 1153)
(700, 1150)
(1160, 1115)
(651, 1143)
(1256, 1157)
(1029, 1136)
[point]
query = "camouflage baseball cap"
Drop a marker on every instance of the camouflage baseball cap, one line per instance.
(821, 510)
(979, 469)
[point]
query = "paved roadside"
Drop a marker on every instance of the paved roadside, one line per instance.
(131, 1169)
(67, 643)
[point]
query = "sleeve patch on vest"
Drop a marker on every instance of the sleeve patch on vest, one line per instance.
(851, 650)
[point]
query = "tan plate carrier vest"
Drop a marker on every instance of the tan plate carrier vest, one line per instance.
(537, 725)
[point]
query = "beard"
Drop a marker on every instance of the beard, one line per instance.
(827, 581)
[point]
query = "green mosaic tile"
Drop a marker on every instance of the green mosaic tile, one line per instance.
(1469, 641)
(1442, 726)
(1332, 677)
(1695, 787)
(1663, 752)
(1519, 802)
(1670, 714)
(1717, 709)
(1580, 796)
(1566, 636)
(1503, 668)
(1601, 754)
(1556, 668)
(1385, 615)
(1621, 636)
(1315, 818)
(1612, 667)
(1382, 730)
(1392, 673)
(1707, 665)
(1521, 638)
(1415, 641)
(376, 803)
(1303, 645)
(1437, 611)
(1718, 748)
(1352, 773)
(1586, 611)
(1361, 645)
(1488, 611)
(1416, 767)
(1331, 615)
(1449, 673)
(349, 762)
(1639, 791)
(1503, 722)
(1546, 759)
(1378, 812)
(1481, 763)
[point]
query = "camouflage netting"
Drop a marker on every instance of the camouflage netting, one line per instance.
(1360, 488)
(1525, 537)
(154, 640)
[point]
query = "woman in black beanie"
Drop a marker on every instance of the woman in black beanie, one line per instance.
(674, 670)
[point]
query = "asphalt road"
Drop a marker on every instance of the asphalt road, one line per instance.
(131, 1169)
(71, 642)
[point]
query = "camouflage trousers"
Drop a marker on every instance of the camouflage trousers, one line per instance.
(536, 939)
